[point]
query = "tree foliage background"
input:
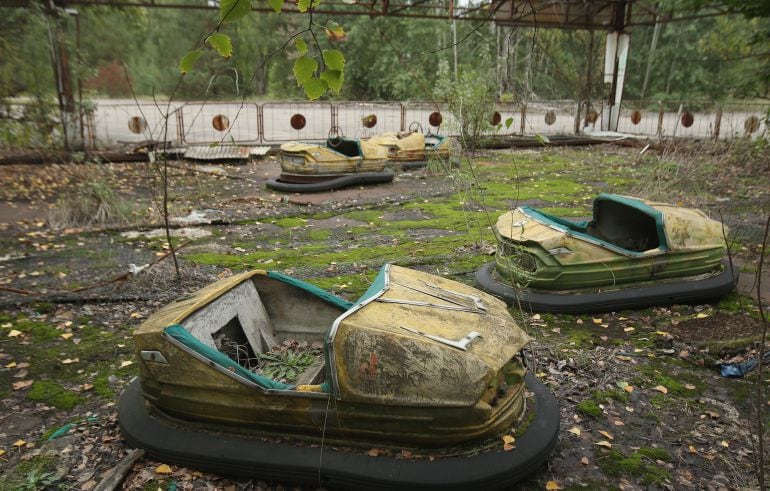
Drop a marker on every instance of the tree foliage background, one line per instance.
(715, 58)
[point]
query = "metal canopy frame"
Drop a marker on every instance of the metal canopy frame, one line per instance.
(602, 15)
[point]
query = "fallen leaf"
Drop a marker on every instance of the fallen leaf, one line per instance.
(724, 443)
(14, 333)
(70, 361)
(536, 317)
(574, 430)
(7, 325)
(629, 388)
(579, 321)
(22, 385)
(135, 315)
(629, 329)
(604, 443)
(692, 449)
(2, 452)
(618, 422)
(374, 452)
(607, 435)
(163, 469)
(701, 315)
(508, 447)
(126, 363)
(597, 321)
(508, 439)
(19, 443)
(11, 365)
(584, 461)
(689, 387)
(552, 486)
(661, 389)
(67, 335)
(87, 387)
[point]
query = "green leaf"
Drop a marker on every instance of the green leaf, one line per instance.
(333, 79)
(221, 43)
(334, 31)
(304, 5)
(276, 5)
(508, 123)
(304, 68)
(315, 88)
(233, 10)
(188, 60)
(542, 139)
(334, 59)
(301, 45)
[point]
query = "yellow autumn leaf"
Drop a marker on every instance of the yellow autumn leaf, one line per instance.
(629, 388)
(2, 452)
(67, 335)
(163, 469)
(661, 333)
(629, 329)
(11, 365)
(508, 439)
(536, 317)
(604, 443)
(70, 361)
(19, 443)
(6, 325)
(14, 333)
(607, 435)
(126, 363)
(508, 447)
(574, 430)
(692, 449)
(597, 321)
(689, 386)
(584, 461)
(619, 423)
(724, 443)
(552, 486)
(661, 389)
(701, 315)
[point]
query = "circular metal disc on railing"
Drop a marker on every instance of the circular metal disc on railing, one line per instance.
(335, 132)
(298, 121)
(496, 118)
(550, 117)
(636, 117)
(751, 125)
(220, 122)
(137, 124)
(435, 119)
(369, 121)
(687, 119)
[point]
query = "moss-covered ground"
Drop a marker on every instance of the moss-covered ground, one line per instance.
(668, 414)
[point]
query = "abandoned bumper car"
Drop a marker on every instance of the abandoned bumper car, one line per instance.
(412, 149)
(342, 162)
(632, 254)
(419, 366)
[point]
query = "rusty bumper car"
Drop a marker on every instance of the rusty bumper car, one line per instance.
(413, 149)
(339, 162)
(633, 253)
(418, 364)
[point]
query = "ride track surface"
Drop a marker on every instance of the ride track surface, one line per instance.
(640, 376)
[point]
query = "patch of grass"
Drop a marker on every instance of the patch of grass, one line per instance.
(589, 407)
(641, 463)
(290, 222)
(600, 396)
(54, 394)
(35, 473)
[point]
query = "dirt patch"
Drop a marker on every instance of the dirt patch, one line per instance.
(717, 327)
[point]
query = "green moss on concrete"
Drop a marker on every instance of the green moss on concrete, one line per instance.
(641, 464)
(600, 396)
(589, 407)
(53, 394)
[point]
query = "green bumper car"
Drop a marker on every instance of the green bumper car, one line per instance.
(633, 253)
(419, 363)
